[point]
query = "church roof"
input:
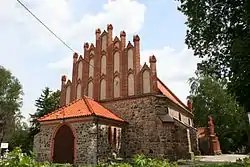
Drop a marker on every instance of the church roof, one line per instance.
(81, 108)
(168, 93)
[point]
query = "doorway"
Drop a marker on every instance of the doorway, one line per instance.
(64, 145)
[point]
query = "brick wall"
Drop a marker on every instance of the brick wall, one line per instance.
(107, 45)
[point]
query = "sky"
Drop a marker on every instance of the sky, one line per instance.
(38, 59)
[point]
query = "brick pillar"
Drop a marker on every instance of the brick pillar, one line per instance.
(85, 69)
(136, 40)
(124, 65)
(110, 64)
(96, 87)
(152, 61)
(74, 77)
(63, 91)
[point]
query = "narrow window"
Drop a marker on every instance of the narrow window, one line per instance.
(68, 92)
(103, 64)
(90, 89)
(146, 82)
(115, 136)
(131, 90)
(79, 91)
(103, 90)
(80, 70)
(110, 135)
(116, 87)
(91, 68)
(130, 59)
(180, 116)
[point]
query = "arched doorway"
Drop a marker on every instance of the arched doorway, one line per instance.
(63, 145)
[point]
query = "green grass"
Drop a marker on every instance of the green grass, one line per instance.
(17, 159)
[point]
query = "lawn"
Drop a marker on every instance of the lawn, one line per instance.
(17, 159)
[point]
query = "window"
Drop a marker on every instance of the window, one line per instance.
(91, 68)
(180, 116)
(103, 65)
(110, 135)
(115, 136)
(90, 89)
(103, 89)
(116, 61)
(131, 85)
(79, 91)
(146, 81)
(80, 70)
(130, 59)
(116, 87)
(68, 91)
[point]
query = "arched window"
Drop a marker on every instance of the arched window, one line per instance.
(79, 70)
(68, 91)
(131, 85)
(117, 62)
(79, 91)
(91, 68)
(116, 87)
(146, 81)
(103, 64)
(90, 89)
(130, 59)
(104, 42)
(103, 89)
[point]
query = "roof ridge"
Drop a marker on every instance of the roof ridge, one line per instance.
(173, 94)
(88, 105)
(58, 110)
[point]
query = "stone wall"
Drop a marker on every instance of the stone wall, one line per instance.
(146, 133)
(105, 149)
(194, 141)
(42, 143)
(86, 144)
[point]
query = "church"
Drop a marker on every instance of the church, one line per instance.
(115, 105)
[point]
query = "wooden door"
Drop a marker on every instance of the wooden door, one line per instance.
(64, 145)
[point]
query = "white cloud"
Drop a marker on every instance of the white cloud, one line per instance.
(32, 47)
(174, 68)
(119, 13)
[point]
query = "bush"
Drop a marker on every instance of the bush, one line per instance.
(17, 159)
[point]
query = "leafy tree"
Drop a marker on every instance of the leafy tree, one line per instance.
(210, 97)
(46, 103)
(20, 138)
(219, 33)
(10, 102)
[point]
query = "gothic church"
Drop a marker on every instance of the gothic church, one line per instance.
(111, 105)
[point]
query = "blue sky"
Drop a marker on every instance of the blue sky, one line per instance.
(38, 59)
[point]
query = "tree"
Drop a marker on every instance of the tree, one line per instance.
(46, 103)
(210, 97)
(219, 33)
(10, 102)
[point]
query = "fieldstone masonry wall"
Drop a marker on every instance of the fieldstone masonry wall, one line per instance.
(104, 148)
(86, 144)
(146, 133)
(91, 147)
(42, 143)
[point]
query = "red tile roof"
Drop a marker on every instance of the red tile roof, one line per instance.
(167, 92)
(80, 108)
